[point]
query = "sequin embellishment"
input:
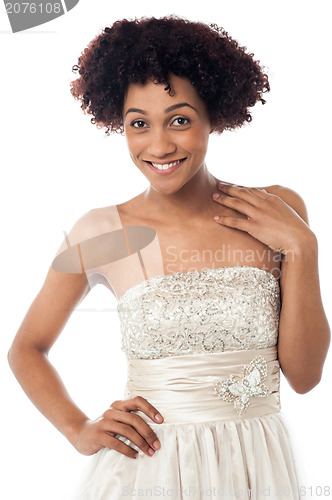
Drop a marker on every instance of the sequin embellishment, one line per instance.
(250, 384)
(216, 310)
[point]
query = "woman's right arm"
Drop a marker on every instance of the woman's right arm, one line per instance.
(28, 354)
(28, 359)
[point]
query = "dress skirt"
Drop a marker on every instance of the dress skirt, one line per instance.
(223, 434)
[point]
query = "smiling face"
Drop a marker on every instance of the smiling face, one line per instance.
(167, 136)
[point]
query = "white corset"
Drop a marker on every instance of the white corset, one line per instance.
(215, 310)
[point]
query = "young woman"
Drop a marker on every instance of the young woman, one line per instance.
(217, 284)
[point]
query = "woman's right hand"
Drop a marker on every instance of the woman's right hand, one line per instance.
(92, 435)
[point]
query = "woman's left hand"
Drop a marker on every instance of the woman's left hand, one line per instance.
(269, 219)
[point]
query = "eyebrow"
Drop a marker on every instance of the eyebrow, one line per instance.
(171, 108)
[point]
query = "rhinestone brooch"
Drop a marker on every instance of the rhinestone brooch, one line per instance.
(250, 384)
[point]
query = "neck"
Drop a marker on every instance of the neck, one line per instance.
(192, 200)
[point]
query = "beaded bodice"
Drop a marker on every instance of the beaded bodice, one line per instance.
(214, 310)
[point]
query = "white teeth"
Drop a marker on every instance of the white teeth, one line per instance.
(167, 165)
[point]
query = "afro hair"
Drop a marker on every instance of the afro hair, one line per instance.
(225, 76)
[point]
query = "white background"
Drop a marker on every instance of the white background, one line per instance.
(56, 165)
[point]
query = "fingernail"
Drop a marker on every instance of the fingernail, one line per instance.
(216, 195)
(216, 217)
(156, 445)
(158, 417)
(150, 451)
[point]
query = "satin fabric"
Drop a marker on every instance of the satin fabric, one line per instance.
(181, 387)
(207, 448)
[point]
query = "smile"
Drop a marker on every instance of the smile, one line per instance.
(166, 167)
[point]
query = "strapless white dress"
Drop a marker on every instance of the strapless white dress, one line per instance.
(202, 348)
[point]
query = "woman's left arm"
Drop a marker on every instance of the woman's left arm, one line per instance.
(304, 332)
(278, 218)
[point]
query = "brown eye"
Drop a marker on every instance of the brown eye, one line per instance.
(137, 121)
(182, 119)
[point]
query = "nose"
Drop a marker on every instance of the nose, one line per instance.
(160, 144)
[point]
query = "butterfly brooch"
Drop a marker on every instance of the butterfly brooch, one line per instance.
(250, 384)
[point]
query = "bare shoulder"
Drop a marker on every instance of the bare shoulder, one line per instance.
(291, 197)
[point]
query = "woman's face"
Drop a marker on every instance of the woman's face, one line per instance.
(161, 130)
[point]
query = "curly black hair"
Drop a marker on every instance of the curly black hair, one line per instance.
(226, 78)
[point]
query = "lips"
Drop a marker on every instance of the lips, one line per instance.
(165, 163)
(168, 170)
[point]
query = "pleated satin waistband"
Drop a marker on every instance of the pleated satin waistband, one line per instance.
(183, 387)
